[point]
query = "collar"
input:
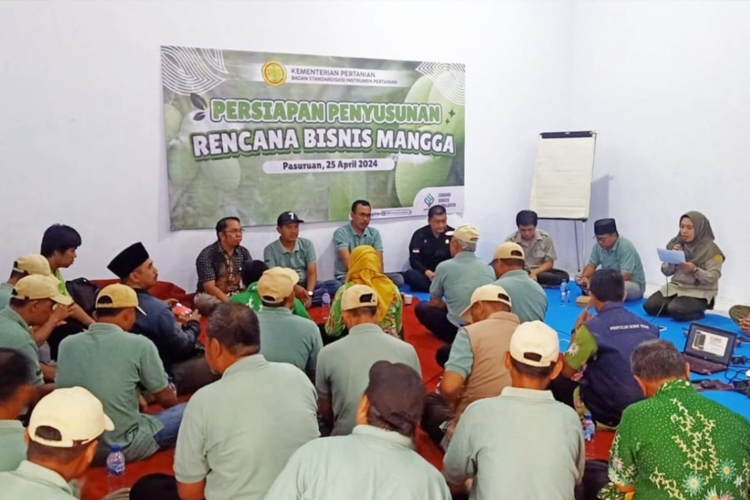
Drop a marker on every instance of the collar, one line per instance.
(246, 364)
(284, 250)
(12, 315)
(673, 386)
(517, 392)
(141, 291)
(6, 286)
(220, 249)
(615, 246)
(354, 231)
(276, 310)
(609, 306)
(38, 474)
(427, 231)
(365, 328)
(15, 425)
(391, 437)
(505, 316)
(104, 328)
(465, 256)
(516, 272)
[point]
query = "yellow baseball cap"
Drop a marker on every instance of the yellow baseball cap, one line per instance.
(486, 293)
(465, 232)
(38, 287)
(117, 296)
(358, 296)
(32, 263)
(535, 344)
(74, 412)
(509, 250)
(276, 284)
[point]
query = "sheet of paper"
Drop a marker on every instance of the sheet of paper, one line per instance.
(671, 256)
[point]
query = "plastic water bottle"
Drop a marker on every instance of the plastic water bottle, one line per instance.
(326, 299)
(115, 468)
(172, 385)
(589, 427)
(564, 293)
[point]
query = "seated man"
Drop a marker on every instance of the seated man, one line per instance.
(612, 251)
(252, 270)
(62, 435)
(219, 266)
(429, 247)
(175, 340)
(538, 249)
(34, 302)
(604, 344)
(523, 443)
(25, 265)
(286, 338)
(677, 443)
(16, 393)
(529, 299)
(456, 279)
(115, 366)
(358, 232)
(298, 254)
(343, 366)
(472, 371)
(239, 432)
(378, 459)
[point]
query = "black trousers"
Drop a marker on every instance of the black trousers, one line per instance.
(435, 413)
(436, 321)
(552, 278)
(417, 281)
(677, 308)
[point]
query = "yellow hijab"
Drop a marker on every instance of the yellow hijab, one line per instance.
(364, 269)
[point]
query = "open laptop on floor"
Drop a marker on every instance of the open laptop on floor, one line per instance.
(708, 349)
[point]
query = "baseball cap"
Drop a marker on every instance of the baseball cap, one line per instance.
(38, 287)
(117, 296)
(74, 412)
(32, 263)
(535, 344)
(465, 232)
(358, 296)
(276, 284)
(486, 293)
(287, 218)
(509, 250)
(128, 260)
(396, 394)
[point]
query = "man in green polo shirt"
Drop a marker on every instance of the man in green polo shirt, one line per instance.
(612, 251)
(115, 366)
(343, 366)
(252, 270)
(378, 459)
(239, 432)
(35, 301)
(16, 392)
(284, 337)
(62, 435)
(677, 443)
(529, 298)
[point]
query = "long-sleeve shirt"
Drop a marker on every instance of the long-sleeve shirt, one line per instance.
(427, 251)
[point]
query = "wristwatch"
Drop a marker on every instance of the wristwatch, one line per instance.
(310, 293)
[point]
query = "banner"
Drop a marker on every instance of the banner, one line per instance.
(254, 134)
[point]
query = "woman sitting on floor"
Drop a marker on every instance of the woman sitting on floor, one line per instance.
(695, 283)
(364, 269)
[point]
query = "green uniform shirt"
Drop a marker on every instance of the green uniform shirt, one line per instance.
(346, 237)
(114, 366)
(12, 445)
(344, 369)
(6, 290)
(370, 464)
(301, 255)
(527, 296)
(32, 481)
(16, 334)
(621, 257)
(251, 298)
(286, 338)
(581, 348)
(680, 444)
(239, 432)
(456, 279)
(61, 283)
(390, 324)
(541, 249)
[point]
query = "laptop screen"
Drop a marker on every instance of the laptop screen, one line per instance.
(711, 344)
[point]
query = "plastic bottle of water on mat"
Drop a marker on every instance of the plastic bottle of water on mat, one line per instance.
(115, 469)
(589, 427)
(564, 293)
(326, 299)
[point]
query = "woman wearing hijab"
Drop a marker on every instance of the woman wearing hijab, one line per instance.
(364, 269)
(695, 283)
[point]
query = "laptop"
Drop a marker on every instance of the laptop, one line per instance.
(708, 349)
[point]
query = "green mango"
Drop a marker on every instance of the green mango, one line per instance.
(453, 114)
(172, 121)
(415, 172)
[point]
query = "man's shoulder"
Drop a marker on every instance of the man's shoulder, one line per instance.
(420, 233)
(513, 237)
(626, 244)
(274, 245)
(342, 230)
(244, 251)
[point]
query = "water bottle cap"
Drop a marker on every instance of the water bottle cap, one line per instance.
(115, 448)
(587, 415)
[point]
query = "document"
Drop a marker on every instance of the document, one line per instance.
(671, 256)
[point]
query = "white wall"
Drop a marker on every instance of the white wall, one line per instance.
(81, 139)
(667, 85)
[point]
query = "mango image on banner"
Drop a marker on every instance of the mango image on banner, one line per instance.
(414, 172)
(453, 114)
(172, 121)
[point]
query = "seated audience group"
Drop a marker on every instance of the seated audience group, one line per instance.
(257, 407)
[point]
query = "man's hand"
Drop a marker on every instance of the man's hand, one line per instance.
(184, 318)
(583, 282)
(142, 404)
(429, 274)
(60, 314)
(301, 294)
(688, 267)
(534, 276)
(171, 302)
(583, 317)
(677, 246)
(745, 325)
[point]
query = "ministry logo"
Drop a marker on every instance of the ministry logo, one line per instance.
(429, 200)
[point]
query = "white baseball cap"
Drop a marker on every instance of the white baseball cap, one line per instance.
(75, 413)
(358, 296)
(535, 344)
(486, 293)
